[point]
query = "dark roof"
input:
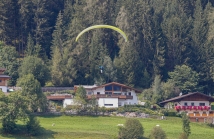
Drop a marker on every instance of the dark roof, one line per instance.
(4, 76)
(122, 85)
(59, 97)
(183, 96)
(56, 89)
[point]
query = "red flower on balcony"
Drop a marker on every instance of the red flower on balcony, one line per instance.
(199, 108)
(183, 107)
(195, 107)
(189, 107)
(202, 108)
(208, 107)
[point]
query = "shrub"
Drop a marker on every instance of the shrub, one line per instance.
(102, 109)
(120, 110)
(157, 133)
(183, 136)
(33, 126)
(58, 108)
(172, 113)
(131, 130)
(8, 126)
(212, 107)
(186, 124)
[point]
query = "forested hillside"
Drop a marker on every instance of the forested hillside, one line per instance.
(38, 37)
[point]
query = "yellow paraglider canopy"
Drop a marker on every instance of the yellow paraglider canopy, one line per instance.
(103, 26)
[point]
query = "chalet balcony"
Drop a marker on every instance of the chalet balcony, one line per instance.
(111, 96)
(194, 108)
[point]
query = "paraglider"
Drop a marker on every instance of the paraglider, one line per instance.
(103, 26)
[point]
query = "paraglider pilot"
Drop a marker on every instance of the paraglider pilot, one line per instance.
(101, 69)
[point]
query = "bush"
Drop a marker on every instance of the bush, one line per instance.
(58, 108)
(183, 136)
(33, 126)
(120, 110)
(131, 130)
(8, 126)
(212, 107)
(171, 113)
(157, 133)
(186, 124)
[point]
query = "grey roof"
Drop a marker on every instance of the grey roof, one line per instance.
(56, 89)
(4, 76)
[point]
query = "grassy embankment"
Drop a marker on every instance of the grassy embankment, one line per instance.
(85, 127)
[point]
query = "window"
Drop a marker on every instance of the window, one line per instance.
(98, 93)
(108, 104)
(117, 93)
(185, 103)
(201, 104)
(0, 80)
(130, 93)
(117, 88)
(108, 93)
(192, 104)
(108, 88)
(89, 93)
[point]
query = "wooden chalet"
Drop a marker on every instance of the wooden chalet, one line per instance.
(196, 105)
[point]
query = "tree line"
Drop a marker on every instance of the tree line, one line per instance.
(164, 37)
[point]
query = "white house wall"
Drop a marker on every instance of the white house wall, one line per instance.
(108, 101)
(3, 88)
(181, 103)
(196, 103)
(67, 102)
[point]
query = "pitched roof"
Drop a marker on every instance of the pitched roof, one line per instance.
(186, 95)
(112, 83)
(4, 76)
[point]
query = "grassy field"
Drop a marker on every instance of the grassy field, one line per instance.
(86, 127)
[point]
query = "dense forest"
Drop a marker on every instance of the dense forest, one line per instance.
(169, 41)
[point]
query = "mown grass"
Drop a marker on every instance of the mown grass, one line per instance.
(87, 127)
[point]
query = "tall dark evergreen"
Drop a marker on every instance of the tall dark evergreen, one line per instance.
(176, 27)
(9, 22)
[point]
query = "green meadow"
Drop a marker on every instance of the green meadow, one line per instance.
(87, 127)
